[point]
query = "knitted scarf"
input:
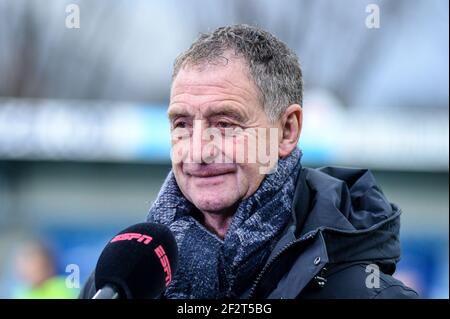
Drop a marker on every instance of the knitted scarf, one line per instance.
(213, 268)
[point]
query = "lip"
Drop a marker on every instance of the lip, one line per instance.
(209, 170)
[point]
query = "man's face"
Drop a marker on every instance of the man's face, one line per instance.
(219, 98)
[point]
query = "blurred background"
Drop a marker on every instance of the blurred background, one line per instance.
(84, 140)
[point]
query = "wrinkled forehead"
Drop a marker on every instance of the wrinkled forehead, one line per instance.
(225, 72)
(223, 86)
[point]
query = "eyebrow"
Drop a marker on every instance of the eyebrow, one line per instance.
(210, 112)
(174, 114)
(225, 111)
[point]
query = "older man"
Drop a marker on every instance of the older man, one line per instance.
(249, 221)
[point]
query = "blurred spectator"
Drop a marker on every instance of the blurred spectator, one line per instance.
(36, 267)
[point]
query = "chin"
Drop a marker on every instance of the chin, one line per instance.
(212, 204)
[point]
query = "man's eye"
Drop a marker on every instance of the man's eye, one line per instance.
(222, 124)
(179, 124)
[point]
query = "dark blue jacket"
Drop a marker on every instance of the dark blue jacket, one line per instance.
(342, 242)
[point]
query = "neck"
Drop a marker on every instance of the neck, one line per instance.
(217, 223)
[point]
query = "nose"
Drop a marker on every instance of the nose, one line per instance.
(197, 143)
(203, 150)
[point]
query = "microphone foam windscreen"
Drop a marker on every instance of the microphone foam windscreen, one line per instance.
(139, 261)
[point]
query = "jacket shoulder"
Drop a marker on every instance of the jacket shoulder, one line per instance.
(356, 281)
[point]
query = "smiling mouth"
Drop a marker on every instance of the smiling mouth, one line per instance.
(209, 180)
(209, 175)
(209, 171)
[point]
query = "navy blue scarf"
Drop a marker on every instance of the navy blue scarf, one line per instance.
(213, 268)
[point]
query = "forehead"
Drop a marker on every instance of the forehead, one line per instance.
(226, 79)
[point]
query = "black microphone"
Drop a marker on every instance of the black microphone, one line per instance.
(137, 263)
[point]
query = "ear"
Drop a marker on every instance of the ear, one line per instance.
(291, 127)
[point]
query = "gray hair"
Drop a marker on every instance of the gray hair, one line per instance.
(273, 67)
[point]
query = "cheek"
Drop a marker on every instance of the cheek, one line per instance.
(177, 170)
(250, 178)
(180, 150)
(240, 148)
(247, 179)
(253, 144)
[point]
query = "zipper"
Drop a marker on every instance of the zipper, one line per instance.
(272, 261)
